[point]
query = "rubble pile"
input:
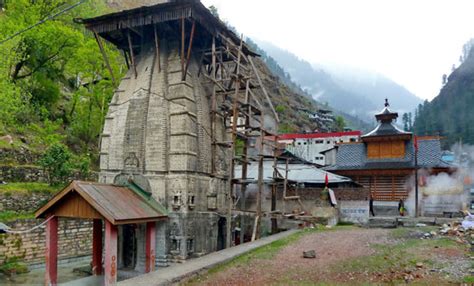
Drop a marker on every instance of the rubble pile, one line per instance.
(463, 231)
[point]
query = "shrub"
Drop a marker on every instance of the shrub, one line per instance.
(56, 162)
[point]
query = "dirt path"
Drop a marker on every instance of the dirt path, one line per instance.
(288, 265)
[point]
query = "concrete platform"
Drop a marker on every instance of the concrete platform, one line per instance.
(175, 273)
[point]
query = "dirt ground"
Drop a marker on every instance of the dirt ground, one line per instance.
(349, 256)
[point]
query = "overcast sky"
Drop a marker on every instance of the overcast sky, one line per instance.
(412, 42)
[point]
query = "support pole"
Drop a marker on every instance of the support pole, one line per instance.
(213, 108)
(97, 247)
(150, 246)
(416, 184)
(132, 57)
(182, 46)
(190, 46)
(157, 47)
(106, 59)
(51, 255)
(110, 254)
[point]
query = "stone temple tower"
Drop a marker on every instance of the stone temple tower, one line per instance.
(159, 129)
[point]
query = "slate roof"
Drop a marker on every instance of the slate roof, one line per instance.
(384, 129)
(354, 157)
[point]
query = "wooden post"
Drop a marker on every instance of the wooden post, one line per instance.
(132, 57)
(190, 46)
(182, 47)
(213, 108)
(157, 47)
(106, 59)
(150, 246)
(110, 254)
(97, 247)
(51, 255)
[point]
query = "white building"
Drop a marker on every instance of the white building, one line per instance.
(310, 145)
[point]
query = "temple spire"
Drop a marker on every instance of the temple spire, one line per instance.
(386, 103)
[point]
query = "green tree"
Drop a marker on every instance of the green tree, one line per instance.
(56, 162)
(340, 123)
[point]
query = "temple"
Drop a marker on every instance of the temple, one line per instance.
(386, 159)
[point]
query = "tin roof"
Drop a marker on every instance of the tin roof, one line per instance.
(318, 135)
(299, 173)
(117, 204)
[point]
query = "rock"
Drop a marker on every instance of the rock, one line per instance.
(433, 233)
(420, 224)
(309, 254)
(419, 265)
(7, 138)
(427, 235)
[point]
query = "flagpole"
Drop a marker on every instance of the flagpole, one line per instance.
(416, 177)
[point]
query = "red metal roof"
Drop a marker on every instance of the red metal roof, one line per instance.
(318, 135)
(118, 205)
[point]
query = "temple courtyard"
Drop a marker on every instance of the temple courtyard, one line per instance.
(349, 255)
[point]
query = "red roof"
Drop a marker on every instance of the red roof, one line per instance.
(318, 135)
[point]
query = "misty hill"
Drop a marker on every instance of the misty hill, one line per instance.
(354, 91)
(451, 113)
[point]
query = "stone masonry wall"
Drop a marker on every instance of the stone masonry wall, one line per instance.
(75, 239)
(22, 202)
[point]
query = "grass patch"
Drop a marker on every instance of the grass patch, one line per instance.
(468, 279)
(265, 252)
(399, 256)
(6, 216)
(26, 188)
(13, 265)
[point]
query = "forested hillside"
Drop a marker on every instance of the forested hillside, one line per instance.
(54, 86)
(451, 114)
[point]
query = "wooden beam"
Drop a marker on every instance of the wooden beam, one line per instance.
(190, 46)
(157, 47)
(104, 55)
(183, 24)
(263, 88)
(132, 57)
(51, 252)
(213, 108)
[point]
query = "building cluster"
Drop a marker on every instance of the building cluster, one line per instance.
(173, 184)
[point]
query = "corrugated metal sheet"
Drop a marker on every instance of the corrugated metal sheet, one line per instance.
(301, 173)
(119, 205)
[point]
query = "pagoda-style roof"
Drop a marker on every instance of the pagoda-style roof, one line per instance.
(386, 128)
(354, 157)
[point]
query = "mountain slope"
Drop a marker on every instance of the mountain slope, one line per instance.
(450, 113)
(356, 92)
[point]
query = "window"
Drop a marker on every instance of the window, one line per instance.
(304, 143)
(319, 141)
(353, 140)
(299, 143)
(328, 142)
(190, 245)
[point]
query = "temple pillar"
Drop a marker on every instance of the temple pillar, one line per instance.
(110, 254)
(51, 255)
(97, 247)
(150, 246)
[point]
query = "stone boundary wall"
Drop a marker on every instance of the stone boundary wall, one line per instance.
(23, 202)
(34, 174)
(20, 156)
(74, 239)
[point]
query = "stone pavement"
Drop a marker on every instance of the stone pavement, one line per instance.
(175, 273)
